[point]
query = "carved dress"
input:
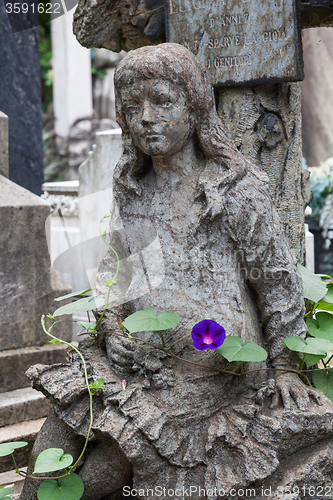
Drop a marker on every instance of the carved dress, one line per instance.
(214, 249)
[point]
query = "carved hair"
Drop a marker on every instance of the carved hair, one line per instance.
(173, 62)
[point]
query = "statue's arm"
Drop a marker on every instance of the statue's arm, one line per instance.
(275, 280)
(255, 227)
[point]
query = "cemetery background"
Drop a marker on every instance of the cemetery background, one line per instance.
(100, 159)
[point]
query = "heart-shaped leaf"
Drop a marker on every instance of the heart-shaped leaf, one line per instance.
(309, 346)
(6, 490)
(81, 305)
(150, 321)
(322, 326)
(312, 359)
(67, 488)
(8, 448)
(74, 294)
(87, 325)
(234, 349)
(323, 380)
(313, 287)
(51, 460)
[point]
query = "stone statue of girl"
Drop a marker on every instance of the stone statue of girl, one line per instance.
(197, 234)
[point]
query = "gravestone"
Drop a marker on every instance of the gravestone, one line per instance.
(317, 107)
(252, 42)
(28, 284)
(20, 98)
(72, 89)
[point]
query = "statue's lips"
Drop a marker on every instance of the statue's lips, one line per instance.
(151, 137)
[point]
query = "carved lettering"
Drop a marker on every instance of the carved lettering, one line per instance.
(224, 42)
(219, 62)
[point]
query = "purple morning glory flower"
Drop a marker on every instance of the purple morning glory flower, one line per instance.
(207, 334)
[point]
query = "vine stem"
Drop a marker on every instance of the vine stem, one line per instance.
(113, 281)
(213, 368)
(48, 332)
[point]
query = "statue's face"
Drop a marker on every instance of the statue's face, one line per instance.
(158, 117)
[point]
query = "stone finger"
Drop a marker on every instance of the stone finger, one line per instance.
(275, 400)
(286, 399)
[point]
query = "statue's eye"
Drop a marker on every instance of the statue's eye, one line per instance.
(132, 107)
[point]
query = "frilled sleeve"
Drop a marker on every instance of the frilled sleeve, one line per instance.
(254, 225)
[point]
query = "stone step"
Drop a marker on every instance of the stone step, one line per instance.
(8, 478)
(15, 362)
(24, 431)
(21, 405)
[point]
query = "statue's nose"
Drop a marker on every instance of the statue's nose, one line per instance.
(147, 115)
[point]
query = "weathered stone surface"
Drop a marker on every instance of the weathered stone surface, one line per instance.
(238, 42)
(317, 90)
(15, 362)
(265, 122)
(28, 283)
(128, 25)
(20, 97)
(22, 404)
(197, 234)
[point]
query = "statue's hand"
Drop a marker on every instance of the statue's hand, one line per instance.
(289, 387)
(120, 352)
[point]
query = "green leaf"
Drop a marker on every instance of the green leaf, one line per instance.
(55, 341)
(234, 349)
(67, 488)
(98, 384)
(323, 380)
(87, 325)
(6, 490)
(8, 448)
(324, 306)
(329, 294)
(81, 305)
(309, 346)
(322, 326)
(313, 286)
(74, 294)
(312, 359)
(110, 282)
(52, 459)
(150, 321)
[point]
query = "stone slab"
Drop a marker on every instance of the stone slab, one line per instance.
(28, 284)
(24, 431)
(251, 42)
(7, 478)
(21, 405)
(14, 363)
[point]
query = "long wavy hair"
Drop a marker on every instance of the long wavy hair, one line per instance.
(223, 164)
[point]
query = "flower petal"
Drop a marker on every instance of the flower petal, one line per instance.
(207, 334)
